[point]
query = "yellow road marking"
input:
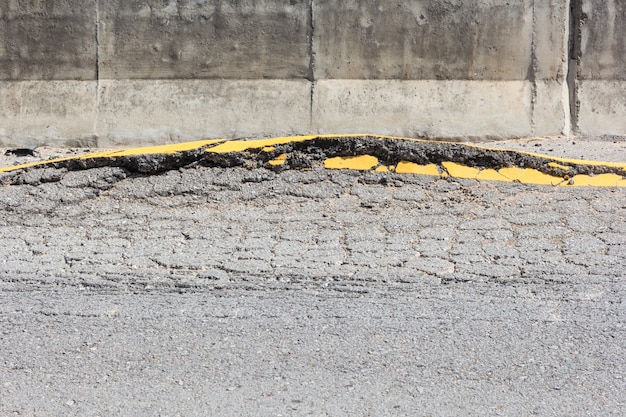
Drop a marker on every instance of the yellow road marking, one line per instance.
(460, 171)
(510, 174)
(243, 145)
(359, 163)
(280, 160)
(368, 162)
(601, 180)
(529, 176)
(405, 167)
(492, 175)
(152, 150)
(146, 150)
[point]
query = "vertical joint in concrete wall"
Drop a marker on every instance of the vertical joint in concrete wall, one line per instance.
(310, 71)
(576, 18)
(97, 27)
(532, 70)
(97, 55)
(310, 75)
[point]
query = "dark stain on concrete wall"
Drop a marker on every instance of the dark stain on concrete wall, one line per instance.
(239, 39)
(47, 40)
(428, 39)
(603, 40)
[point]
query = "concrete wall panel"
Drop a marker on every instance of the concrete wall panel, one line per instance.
(47, 112)
(603, 40)
(47, 40)
(550, 111)
(423, 39)
(601, 85)
(234, 39)
(423, 108)
(133, 72)
(163, 111)
(551, 39)
(602, 107)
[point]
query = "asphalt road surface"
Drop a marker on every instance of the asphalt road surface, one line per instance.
(212, 291)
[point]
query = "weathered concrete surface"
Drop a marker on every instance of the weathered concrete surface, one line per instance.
(602, 107)
(551, 28)
(58, 113)
(47, 40)
(167, 111)
(475, 47)
(493, 40)
(233, 292)
(601, 84)
(520, 45)
(424, 39)
(144, 112)
(435, 108)
(204, 39)
(550, 108)
(603, 40)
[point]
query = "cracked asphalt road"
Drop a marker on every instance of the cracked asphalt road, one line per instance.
(213, 291)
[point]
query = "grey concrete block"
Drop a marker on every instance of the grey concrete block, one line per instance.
(47, 40)
(602, 108)
(47, 112)
(601, 85)
(231, 39)
(603, 43)
(551, 109)
(551, 39)
(423, 108)
(163, 111)
(423, 39)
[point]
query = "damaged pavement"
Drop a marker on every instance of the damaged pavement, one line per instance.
(217, 283)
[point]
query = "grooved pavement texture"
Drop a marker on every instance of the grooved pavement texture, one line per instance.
(245, 292)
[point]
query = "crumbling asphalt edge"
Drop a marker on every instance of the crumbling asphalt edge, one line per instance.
(308, 152)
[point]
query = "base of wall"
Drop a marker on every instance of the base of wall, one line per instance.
(147, 112)
(602, 108)
(440, 109)
(112, 113)
(52, 113)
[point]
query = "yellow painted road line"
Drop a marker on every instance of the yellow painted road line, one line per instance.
(405, 167)
(279, 160)
(370, 162)
(460, 171)
(530, 176)
(490, 174)
(359, 163)
(244, 145)
(601, 180)
(146, 150)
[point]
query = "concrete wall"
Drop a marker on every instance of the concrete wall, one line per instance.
(601, 81)
(441, 68)
(120, 72)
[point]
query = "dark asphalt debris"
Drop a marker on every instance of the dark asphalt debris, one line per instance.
(311, 154)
